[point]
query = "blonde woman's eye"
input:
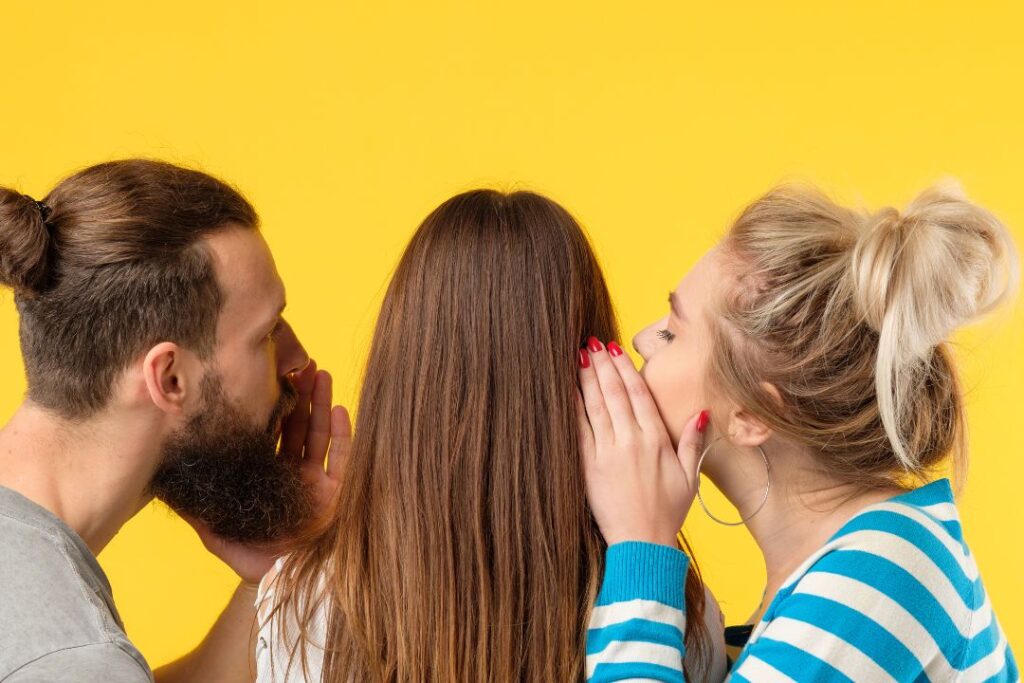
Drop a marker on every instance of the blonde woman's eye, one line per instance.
(665, 335)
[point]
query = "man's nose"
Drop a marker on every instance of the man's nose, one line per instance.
(292, 356)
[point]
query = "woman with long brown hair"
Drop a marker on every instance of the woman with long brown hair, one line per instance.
(462, 547)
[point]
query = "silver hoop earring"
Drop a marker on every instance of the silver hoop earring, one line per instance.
(768, 472)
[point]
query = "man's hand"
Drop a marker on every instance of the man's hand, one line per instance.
(315, 430)
(312, 432)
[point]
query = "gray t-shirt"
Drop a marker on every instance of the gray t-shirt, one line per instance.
(57, 616)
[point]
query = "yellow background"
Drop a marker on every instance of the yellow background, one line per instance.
(654, 123)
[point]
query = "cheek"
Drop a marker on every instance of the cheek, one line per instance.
(266, 384)
(674, 378)
(250, 379)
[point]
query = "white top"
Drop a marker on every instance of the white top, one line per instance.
(277, 637)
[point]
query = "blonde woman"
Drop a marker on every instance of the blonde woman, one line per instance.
(804, 368)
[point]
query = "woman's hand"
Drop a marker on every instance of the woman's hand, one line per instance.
(640, 488)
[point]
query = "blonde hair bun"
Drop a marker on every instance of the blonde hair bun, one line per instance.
(917, 277)
(941, 264)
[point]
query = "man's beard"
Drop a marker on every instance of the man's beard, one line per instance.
(224, 471)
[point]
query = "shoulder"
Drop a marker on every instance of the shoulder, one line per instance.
(908, 554)
(108, 662)
(897, 583)
(266, 591)
(42, 578)
(281, 653)
(715, 662)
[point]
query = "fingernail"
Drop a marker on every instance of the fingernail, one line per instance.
(584, 358)
(702, 421)
(594, 345)
(614, 349)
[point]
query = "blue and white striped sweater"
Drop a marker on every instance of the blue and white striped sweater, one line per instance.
(894, 595)
(636, 629)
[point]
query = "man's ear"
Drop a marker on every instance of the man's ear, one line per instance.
(172, 376)
(745, 428)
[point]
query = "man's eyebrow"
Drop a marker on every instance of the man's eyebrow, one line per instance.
(277, 315)
(673, 302)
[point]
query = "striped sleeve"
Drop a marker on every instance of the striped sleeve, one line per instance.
(637, 626)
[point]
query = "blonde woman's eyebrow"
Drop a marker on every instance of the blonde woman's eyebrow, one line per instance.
(677, 309)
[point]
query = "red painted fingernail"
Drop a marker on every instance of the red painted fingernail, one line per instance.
(584, 358)
(614, 349)
(594, 345)
(702, 421)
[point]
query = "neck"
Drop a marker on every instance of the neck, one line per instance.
(94, 475)
(804, 508)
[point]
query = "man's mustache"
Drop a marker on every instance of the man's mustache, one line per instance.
(286, 403)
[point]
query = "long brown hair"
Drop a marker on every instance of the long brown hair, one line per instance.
(462, 547)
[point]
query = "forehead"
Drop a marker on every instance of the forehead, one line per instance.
(707, 275)
(246, 274)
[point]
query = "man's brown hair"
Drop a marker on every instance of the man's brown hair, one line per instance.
(110, 263)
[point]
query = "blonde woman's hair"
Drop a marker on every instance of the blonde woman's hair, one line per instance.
(847, 314)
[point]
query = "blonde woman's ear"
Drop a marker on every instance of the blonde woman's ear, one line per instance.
(746, 429)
